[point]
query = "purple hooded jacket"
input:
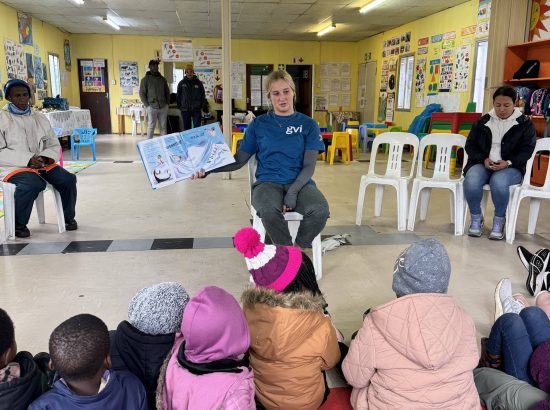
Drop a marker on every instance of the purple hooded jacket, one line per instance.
(213, 329)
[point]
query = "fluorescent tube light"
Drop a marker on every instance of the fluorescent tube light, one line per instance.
(111, 23)
(370, 6)
(326, 30)
(78, 2)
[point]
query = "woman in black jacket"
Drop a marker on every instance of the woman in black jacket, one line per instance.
(498, 148)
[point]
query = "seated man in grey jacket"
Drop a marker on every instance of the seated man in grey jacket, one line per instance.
(29, 151)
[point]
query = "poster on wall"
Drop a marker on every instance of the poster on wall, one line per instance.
(208, 57)
(67, 54)
(420, 80)
(24, 23)
(181, 50)
(207, 78)
(321, 103)
(129, 76)
(483, 18)
(382, 100)
(539, 27)
(462, 67)
(333, 100)
(15, 60)
(433, 73)
(384, 76)
(93, 76)
(38, 78)
(389, 106)
(30, 68)
(446, 75)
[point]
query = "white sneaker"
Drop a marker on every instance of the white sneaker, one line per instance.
(505, 302)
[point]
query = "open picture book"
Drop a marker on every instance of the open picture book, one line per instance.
(175, 157)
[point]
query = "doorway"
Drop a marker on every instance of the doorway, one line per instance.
(302, 76)
(367, 91)
(93, 83)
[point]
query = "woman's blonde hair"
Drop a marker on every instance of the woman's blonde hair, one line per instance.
(276, 76)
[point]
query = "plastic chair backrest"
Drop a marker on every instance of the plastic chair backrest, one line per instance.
(471, 107)
(397, 141)
(543, 144)
(444, 146)
(351, 122)
(135, 114)
(86, 135)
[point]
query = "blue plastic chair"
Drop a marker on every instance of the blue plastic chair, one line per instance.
(364, 136)
(83, 137)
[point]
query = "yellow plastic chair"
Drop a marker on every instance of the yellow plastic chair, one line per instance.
(354, 132)
(340, 140)
(235, 138)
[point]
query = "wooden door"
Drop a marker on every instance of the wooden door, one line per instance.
(93, 83)
(302, 76)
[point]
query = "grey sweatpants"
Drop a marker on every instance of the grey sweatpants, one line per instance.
(267, 199)
(500, 391)
(152, 115)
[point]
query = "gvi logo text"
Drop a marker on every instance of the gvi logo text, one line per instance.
(292, 130)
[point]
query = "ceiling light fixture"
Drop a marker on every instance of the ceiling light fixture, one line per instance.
(370, 6)
(326, 30)
(111, 23)
(78, 2)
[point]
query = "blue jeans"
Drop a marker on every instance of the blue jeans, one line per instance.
(196, 116)
(29, 185)
(500, 182)
(514, 337)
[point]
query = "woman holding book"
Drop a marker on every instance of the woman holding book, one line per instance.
(286, 144)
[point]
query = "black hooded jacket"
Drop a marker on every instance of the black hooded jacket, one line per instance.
(191, 96)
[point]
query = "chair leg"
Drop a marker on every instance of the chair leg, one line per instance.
(452, 203)
(424, 202)
(459, 206)
(402, 205)
(93, 153)
(331, 153)
(9, 210)
(378, 197)
(484, 200)
(360, 201)
(78, 152)
(412, 206)
(39, 202)
(534, 208)
(72, 152)
(58, 209)
(317, 257)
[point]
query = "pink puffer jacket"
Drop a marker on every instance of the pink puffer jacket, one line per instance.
(416, 352)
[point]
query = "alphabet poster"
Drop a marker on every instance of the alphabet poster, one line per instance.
(128, 72)
(433, 83)
(207, 78)
(24, 22)
(420, 79)
(462, 67)
(15, 60)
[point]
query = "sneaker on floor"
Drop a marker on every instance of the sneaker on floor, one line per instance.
(476, 225)
(71, 225)
(497, 233)
(541, 283)
(538, 266)
(542, 300)
(524, 256)
(505, 302)
(21, 231)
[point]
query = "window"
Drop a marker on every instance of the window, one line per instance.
(404, 88)
(177, 77)
(54, 74)
(480, 72)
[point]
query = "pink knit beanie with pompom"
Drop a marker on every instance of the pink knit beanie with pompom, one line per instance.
(271, 266)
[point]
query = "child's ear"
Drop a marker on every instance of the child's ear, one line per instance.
(51, 366)
(107, 363)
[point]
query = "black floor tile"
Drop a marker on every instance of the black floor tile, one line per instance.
(87, 246)
(8, 249)
(123, 162)
(172, 243)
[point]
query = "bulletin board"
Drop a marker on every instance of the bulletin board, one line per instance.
(335, 93)
(129, 77)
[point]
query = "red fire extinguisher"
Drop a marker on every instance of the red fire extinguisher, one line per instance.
(218, 94)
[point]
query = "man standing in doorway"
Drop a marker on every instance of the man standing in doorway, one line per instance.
(155, 95)
(191, 99)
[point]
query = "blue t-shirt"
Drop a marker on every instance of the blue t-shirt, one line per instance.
(279, 143)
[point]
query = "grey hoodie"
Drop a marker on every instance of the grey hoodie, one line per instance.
(154, 91)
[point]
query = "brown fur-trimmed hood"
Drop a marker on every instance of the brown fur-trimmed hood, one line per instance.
(302, 300)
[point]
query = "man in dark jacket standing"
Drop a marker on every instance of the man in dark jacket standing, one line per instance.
(155, 95)
(191, 99)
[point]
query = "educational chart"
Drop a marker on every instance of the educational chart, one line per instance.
(462, 67)
(175, 157)
(208, 57)
(419, 82)
(335, 82)
(15, 60)
(483, 18)
(181, 50)
(446, 76)
(24, 23)
(397, 45)
(93, 76)
(384, 76)
(433, 74)
(207, 78)
(129, 76)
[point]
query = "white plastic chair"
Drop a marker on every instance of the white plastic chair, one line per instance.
(9, 209)
(537, 194)
(392, 177)
(441, 179)
(135, 116)
(293, 219)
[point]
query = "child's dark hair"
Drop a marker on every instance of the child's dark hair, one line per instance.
(305, 278)
(7, 333)
(79, 346)
(506, 91)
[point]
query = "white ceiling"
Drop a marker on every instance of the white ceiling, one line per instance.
(256, 19)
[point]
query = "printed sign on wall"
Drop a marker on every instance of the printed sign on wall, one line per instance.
(128, 72)
(462, 67)
(181, 50)
(93, 76)
(420, 80)
(208, 57)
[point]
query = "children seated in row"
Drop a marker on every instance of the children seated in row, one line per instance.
(417, 351)
(79, 353)
(292, 338)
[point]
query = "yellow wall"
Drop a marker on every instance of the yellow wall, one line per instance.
(453, 19)
(49, 39)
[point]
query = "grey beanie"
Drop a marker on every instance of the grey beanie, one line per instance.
(424, 267)
(158, 309)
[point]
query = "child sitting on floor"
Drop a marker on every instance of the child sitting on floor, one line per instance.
(141, 344)
(79, 349)
(21, 379)
(293, 340)
(417, 351)
(205, 369)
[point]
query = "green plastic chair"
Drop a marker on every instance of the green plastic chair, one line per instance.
(471, 107)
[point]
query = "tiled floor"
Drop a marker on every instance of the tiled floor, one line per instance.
(130, 236)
